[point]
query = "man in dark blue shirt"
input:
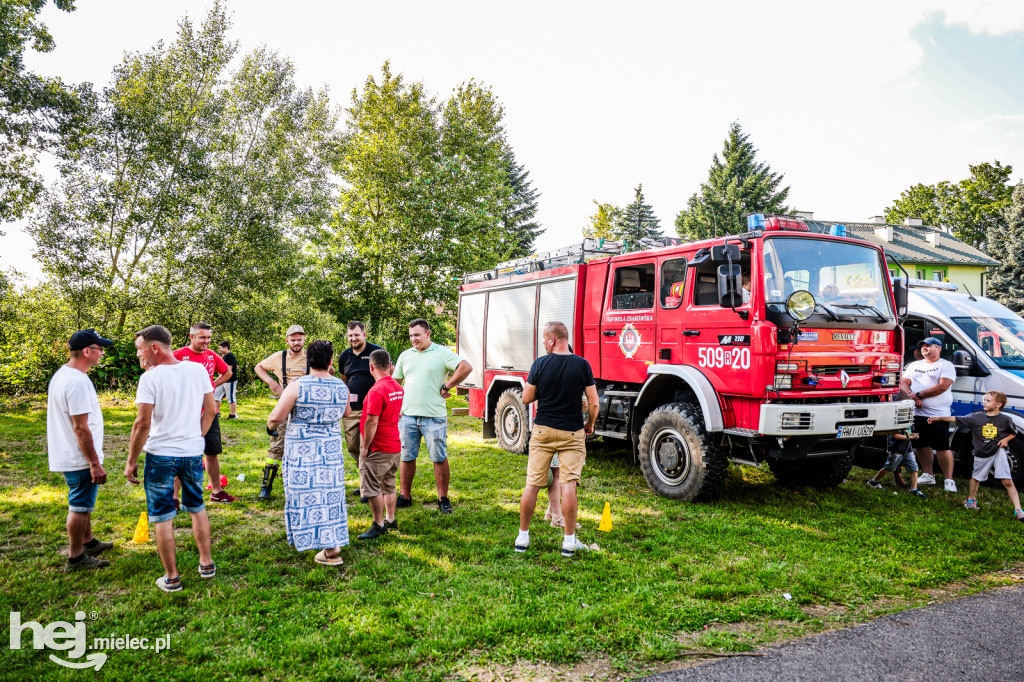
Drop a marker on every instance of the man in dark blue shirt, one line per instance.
(354, 370)
(557, 381)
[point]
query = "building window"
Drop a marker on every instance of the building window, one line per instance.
(920, 274)
(938, 275)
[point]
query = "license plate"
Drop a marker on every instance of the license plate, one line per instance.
(859, 431)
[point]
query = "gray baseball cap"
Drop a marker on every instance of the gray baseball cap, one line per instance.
(295, 329)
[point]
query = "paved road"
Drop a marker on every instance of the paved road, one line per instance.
(977, 639)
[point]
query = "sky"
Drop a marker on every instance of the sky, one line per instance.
(853, 104)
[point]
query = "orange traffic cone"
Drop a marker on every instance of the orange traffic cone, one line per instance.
(142, 529)
(606, 519)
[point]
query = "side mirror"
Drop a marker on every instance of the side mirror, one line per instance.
(723, 253)
(967, 366)
(901, 295)
(730, 285)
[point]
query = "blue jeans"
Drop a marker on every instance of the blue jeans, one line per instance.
(434, 430)
(158, 479)
(81, 491)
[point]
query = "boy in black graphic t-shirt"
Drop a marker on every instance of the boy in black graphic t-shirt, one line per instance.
(991, 431)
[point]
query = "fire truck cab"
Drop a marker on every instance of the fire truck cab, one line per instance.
(777, 346)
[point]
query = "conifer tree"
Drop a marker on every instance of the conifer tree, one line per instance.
(519, 217)
(1005, 243)
(637, 220)
(737, 185)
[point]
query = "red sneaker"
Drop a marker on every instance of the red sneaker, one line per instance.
(222, 496)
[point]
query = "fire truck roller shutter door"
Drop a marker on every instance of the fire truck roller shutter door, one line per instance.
(471, 336)
(557, 304)
(510, 328)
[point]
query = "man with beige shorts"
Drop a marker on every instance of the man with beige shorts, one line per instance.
(381, 445)
(557, 381)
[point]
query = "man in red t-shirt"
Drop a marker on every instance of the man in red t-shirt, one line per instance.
(381, 446)
(199, 351)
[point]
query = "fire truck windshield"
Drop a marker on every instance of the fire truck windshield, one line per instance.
(839, 275)
(1001, 339)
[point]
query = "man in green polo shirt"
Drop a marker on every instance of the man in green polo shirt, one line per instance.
(423, 372)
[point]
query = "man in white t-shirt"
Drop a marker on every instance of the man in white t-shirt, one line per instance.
(74, 444)
(176, 409)
(928, 382)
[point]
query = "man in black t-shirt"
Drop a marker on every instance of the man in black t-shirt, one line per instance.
(227, 390)
(354, 370)
(557, 381)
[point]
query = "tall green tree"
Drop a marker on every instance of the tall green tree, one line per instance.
(970, 209)
(34, 110)
(425, 189)
(1005, 241)
(519, 219)
(603, 223)
(737, 184)
(186, 198)
(637, 220)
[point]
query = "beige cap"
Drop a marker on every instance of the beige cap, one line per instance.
(295, 329)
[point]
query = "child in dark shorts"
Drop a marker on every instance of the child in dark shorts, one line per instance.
(901, 453)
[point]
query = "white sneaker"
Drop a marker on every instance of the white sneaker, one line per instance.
(950, 485)
(926, 479)
(569, 549)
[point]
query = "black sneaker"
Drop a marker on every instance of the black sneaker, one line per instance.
(917, 493)
(84, 564)
(98, 548)
(390, 525)
(877, 485)
(445, 505)
(374, 531)
(403, 502)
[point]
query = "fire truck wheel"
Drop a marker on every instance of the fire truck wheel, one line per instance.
(678, 457)
(818, 472)
(511, 423)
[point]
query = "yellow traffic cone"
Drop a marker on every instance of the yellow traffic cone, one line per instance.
(142, 529)
(606, 519)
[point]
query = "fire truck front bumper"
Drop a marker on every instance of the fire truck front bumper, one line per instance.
(838, 420)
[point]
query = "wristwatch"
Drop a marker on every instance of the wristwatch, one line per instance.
(918, 394)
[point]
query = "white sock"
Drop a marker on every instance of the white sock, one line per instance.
(523, 537)
(569, 540)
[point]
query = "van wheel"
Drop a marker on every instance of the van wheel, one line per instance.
(678, 457)
(1015, 453)
(511, 422)
(816, 472)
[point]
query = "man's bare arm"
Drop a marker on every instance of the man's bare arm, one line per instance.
(140, 432)
(83, 434)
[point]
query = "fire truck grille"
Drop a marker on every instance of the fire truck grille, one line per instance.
(833, 370)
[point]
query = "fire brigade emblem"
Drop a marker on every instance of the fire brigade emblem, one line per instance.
(629, 341)
(989, 431)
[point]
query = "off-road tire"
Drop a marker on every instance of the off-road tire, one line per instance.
(512, 422)
(815, 472)
(678, 456)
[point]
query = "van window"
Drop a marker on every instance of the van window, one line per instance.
(918, 329)
(673, 281)
(634, 287)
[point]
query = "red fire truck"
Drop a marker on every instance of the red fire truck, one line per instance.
(777, 346)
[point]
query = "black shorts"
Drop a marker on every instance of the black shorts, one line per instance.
(213, 446)
(935, 435)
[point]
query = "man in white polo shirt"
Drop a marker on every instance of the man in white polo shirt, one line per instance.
(928, 382)
(176, 408)
(74, 444)
(423, 372)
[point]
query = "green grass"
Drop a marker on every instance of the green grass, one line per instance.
(446, 597)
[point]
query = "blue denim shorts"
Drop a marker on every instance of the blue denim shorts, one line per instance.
(434, 430)
(81, 491)
(158, 479)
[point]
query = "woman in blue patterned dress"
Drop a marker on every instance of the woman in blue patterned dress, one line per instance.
(314, 470)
